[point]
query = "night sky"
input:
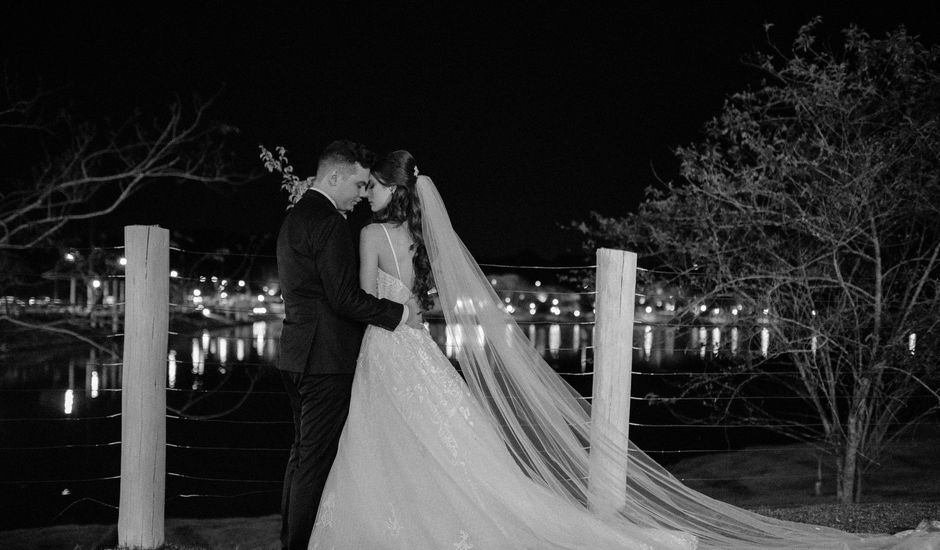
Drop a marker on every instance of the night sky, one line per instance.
(525, 118)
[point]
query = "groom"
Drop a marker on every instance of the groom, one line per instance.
(325, 310)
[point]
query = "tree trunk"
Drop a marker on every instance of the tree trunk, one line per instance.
(839, 485)
(858, 485)
(847, 465)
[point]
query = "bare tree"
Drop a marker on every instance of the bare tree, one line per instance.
(79, 170)
(811, 207)
(57, 170)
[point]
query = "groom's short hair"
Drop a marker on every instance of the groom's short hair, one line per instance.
(346, 153)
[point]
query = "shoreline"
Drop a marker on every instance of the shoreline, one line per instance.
(23, 340)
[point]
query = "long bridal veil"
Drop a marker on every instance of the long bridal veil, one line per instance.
(545, 423)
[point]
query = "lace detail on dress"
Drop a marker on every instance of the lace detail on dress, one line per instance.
(392, 524)
(464, 542)
(325, 516)
(391, 287)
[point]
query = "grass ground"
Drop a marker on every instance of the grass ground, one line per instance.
(260, 533)
(764, 476)
(899, 494)
(181, 534)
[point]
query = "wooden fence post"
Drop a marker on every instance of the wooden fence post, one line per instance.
(613, 364)
(143, 398)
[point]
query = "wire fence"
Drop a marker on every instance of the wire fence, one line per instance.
(193, 432)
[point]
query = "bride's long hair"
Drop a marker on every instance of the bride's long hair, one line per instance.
(398, 171)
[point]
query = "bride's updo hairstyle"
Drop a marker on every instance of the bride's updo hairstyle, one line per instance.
(399, 171)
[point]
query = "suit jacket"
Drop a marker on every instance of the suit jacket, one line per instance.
(318, 268)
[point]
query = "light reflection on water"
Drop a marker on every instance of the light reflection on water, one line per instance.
(567, 347)
(69, 400)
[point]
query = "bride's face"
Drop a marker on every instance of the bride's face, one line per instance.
(379, 195)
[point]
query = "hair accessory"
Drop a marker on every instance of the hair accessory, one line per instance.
(416, 170)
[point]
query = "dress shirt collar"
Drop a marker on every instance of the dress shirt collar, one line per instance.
(322, 192)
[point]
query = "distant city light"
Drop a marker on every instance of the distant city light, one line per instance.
(538, 283)
(215, 279)
(577, 313)
(493, 282)
(272, 292)
(507, 300)
(261, 297)
(241, 283)
(202, 278)
(554, 301)
(649, 309)
(734, 311)
(703, 308)
(123, 261)
(716, 311)
(70, 257)
(223, 295)
(206, 312)
(766, 311)
(174, 273)
(96, 283)
(814, 313)
(259, 310)
(510, 309)
(197, 299)
(197, 292)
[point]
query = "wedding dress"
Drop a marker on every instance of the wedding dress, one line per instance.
(499, 458)
(419, 466)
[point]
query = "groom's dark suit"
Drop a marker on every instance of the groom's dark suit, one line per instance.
(325, 310)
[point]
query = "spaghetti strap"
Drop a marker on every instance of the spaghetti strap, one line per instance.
(390, 245)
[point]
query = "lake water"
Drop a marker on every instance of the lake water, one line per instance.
(229, 427)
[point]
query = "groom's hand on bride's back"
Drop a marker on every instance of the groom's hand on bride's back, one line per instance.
(415, 319)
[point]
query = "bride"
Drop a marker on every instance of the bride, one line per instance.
(497, 458)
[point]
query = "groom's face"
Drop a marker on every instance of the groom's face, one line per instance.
(351, 188)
